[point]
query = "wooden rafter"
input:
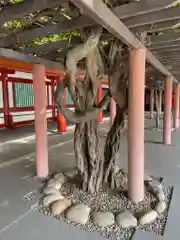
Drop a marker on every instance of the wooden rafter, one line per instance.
(50, 29)
(48, 47)
(158, 27)
(153, 17)
(140, 16)
(166, 37)
(141, 7)
(20, 10)
(167, 50)
(125, 12)
(165, 45)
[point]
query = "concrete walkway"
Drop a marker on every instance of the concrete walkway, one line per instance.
(19, 187)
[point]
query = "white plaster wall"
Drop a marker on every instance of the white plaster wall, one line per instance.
(1, 96)
(29, 115)
(10, 92)
(1, 118)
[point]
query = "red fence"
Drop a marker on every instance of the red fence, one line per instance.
(17, 107)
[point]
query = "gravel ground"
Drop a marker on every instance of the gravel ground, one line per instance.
(114, 202)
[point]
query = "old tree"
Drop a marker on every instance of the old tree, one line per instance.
(99, 54)
(95, 169)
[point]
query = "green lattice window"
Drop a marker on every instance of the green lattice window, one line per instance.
(24, 95)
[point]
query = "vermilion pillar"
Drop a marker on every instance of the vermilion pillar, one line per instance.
(151, 104)
(4, 77)
(40, 101)
(61, 121)
(160, 101)
(176, 107)
(112, 110)
(99, 98)
(136, 125)
(53, 102)
(167, 110)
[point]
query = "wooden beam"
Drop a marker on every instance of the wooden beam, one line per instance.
(13, 55)
(20, 10)
(167, 50)
(177, 67)
(172, 60)
(165, 45)
(166, 37)
(51, 46)
(171, 63)
(153, 17)
(124, 11)
(169, 55)
(104, 16)
(158, 27)
(57, 56)
(50, 29)
(141, 7)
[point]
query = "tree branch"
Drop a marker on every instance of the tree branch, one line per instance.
(74, 117)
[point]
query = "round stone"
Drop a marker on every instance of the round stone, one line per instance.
(49, 191)
(60, 206)
(160, 195)
(126, 220)
(103, 219)
(160, 207)
(155, 185)
(116, 169)
(78, 213)
(147, 178)
(53, 183)
(148, 217)
(48, 200)
(157, 190)
(60, 178)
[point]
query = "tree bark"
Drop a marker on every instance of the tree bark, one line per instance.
(87, 153)
(112, 147)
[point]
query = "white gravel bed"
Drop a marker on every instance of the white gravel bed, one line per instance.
(113, 202)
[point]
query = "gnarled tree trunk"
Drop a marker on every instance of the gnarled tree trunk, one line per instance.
(93, 168)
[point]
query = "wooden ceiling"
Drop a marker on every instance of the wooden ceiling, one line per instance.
(125, 19)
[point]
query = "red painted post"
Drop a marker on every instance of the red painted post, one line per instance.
(176, 107)
(167, 111)
(61, 121)
(112, 110)
(40, 101)
(5, 98)
(8, 118)
(151, 104)
(136, 124)
(53, 102)
(99, 98)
